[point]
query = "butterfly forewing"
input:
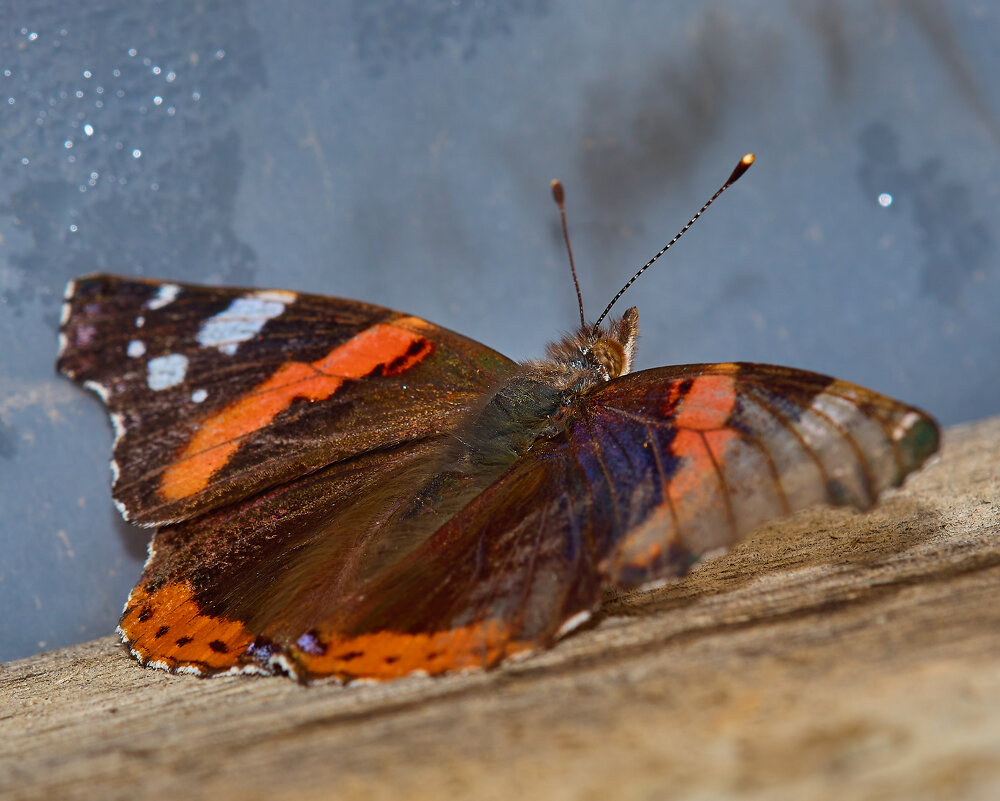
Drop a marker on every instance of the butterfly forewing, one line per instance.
(218, 393)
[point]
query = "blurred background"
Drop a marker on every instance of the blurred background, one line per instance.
(400, 152)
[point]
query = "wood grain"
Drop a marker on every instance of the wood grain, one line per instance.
(832, 656)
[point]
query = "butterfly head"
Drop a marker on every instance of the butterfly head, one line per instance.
(606, 351)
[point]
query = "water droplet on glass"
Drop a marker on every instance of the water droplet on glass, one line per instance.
(116, 73)
(157, 100)
(10, 101)
(68, 144)
(73, 228)
(132, 52)
(220, 54)
(171, 76)
(78, 93)
(196, 95)
(32, 36)
(136, 153)
(25, 161)
(88, 129)
(885, 200)
(87, 73)
(157, 70)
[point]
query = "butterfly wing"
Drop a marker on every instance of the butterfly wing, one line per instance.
(696, 457)
(649, 473)
(322, 578)
(220, 393)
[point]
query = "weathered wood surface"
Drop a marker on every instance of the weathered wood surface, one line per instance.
(833, 656)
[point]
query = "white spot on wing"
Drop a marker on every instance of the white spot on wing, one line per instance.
(121, 508)
(100, 389)
(118, 424)
(167, 371)
(136, 348)
(278, 295)
(67, 297)
(279, 660)
(242, 320)
(574, 622)
(199, 395)
(904, 425)
(165, 295)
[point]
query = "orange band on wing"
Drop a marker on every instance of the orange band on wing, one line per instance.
(708, 403)
(392, 654)
(386, 345)
(169, 626)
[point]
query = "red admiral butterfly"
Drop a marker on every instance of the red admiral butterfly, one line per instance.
(344, 491)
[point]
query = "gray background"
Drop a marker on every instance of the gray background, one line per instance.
(400, 152)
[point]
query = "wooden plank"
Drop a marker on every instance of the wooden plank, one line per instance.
(832, 656)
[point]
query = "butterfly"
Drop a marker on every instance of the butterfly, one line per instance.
(342, 491)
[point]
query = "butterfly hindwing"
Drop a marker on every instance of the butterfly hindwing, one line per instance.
(698, 456)
(251, 575)
(218, 393)
(313, 578)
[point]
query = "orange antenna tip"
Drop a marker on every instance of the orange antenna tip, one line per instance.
(742, 166)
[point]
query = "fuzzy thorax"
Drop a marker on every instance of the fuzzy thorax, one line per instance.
(604, 353)
(532, 403)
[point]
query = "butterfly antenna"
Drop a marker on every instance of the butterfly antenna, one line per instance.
(741, 167)
(560, 198)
